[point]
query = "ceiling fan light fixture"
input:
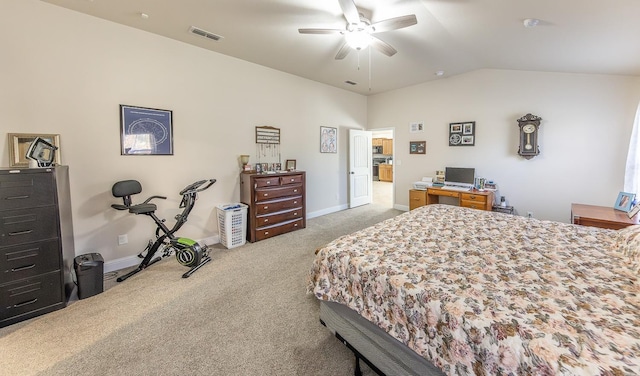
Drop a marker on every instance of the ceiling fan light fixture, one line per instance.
(358, 39)
(531, 22)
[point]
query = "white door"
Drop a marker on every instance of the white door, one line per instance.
(360, 168)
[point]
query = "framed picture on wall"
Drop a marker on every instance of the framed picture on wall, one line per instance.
(462, 134)
(417, 147)
(328, 140)
(145, 131)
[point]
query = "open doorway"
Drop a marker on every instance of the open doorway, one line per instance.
(383, 167)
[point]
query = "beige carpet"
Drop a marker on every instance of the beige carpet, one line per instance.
(245, 313)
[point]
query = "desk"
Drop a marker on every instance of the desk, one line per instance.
(468, 199)
(601, 216)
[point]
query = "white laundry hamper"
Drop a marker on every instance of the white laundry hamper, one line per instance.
(232, 224)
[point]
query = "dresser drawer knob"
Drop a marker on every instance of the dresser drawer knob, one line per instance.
(266, 207)
(295, 202)
(293, 179)
(295, 213)
(16, 197)
(25, 303)
(266, 194)
(20, 232)
(472, 197)
(266, 220)
(266, 232)
(295, 190)
(23, 268)
(295, 225)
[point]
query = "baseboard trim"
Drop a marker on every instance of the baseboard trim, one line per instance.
(326, 211)
(121, 263)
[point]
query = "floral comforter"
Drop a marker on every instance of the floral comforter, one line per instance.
(485, 293)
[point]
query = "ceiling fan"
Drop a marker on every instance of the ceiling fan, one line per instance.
(359, 31)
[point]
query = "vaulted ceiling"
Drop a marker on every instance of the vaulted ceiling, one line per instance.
(450, 37)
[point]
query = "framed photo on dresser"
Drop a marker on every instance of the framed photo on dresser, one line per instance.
(624, 201)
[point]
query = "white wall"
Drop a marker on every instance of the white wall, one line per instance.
(584, 136)
(67, 73)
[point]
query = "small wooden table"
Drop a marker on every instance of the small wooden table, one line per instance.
(601, 216)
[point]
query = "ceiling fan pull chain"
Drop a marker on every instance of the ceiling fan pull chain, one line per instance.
(369, 69)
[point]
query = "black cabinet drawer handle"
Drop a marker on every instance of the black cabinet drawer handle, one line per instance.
(20, 232)
(16, 197)
(23, 268)
(25, 303)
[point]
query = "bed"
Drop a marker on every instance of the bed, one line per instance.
(473, 292)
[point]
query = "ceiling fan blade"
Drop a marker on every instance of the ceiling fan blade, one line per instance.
(350, 11)
(320, 31)
(343, 52)
(394, 23)
(383, 47)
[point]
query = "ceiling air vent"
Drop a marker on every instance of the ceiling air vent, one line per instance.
(204, 33)
(350, 82)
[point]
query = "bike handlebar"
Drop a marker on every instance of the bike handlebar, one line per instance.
(195, 187)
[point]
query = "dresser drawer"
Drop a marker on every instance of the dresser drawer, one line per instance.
(267, 232)
(30, 294)
(291, 179)
(28, 225)
(26, 190)
(472, 204)
(272, 193)
(276, 206)
(443, 192)
(28, 260)
(272, 219)
(473, 197)
(417, 198)
(267, 182)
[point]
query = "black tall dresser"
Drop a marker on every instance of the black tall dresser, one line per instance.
(36, 242)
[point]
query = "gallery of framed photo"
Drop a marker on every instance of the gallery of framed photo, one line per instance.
(19, 144)
(624, 201)
(462, 134)
(417, 147)
(328, 140)
(145, 131)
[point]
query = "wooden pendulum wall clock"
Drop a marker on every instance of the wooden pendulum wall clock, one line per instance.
(529, 127)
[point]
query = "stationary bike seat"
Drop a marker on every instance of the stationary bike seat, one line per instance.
(142, 208)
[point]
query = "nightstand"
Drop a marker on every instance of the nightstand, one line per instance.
(601, 216)
(503, 209)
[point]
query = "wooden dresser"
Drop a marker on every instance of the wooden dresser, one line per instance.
(36, 242)
(276, 203)
(468, 199)
(601, 216)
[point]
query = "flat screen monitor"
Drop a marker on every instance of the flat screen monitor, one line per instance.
(459, 176)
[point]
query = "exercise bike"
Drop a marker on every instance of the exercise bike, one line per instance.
(188, 252)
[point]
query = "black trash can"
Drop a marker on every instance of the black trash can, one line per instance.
(89, 274)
